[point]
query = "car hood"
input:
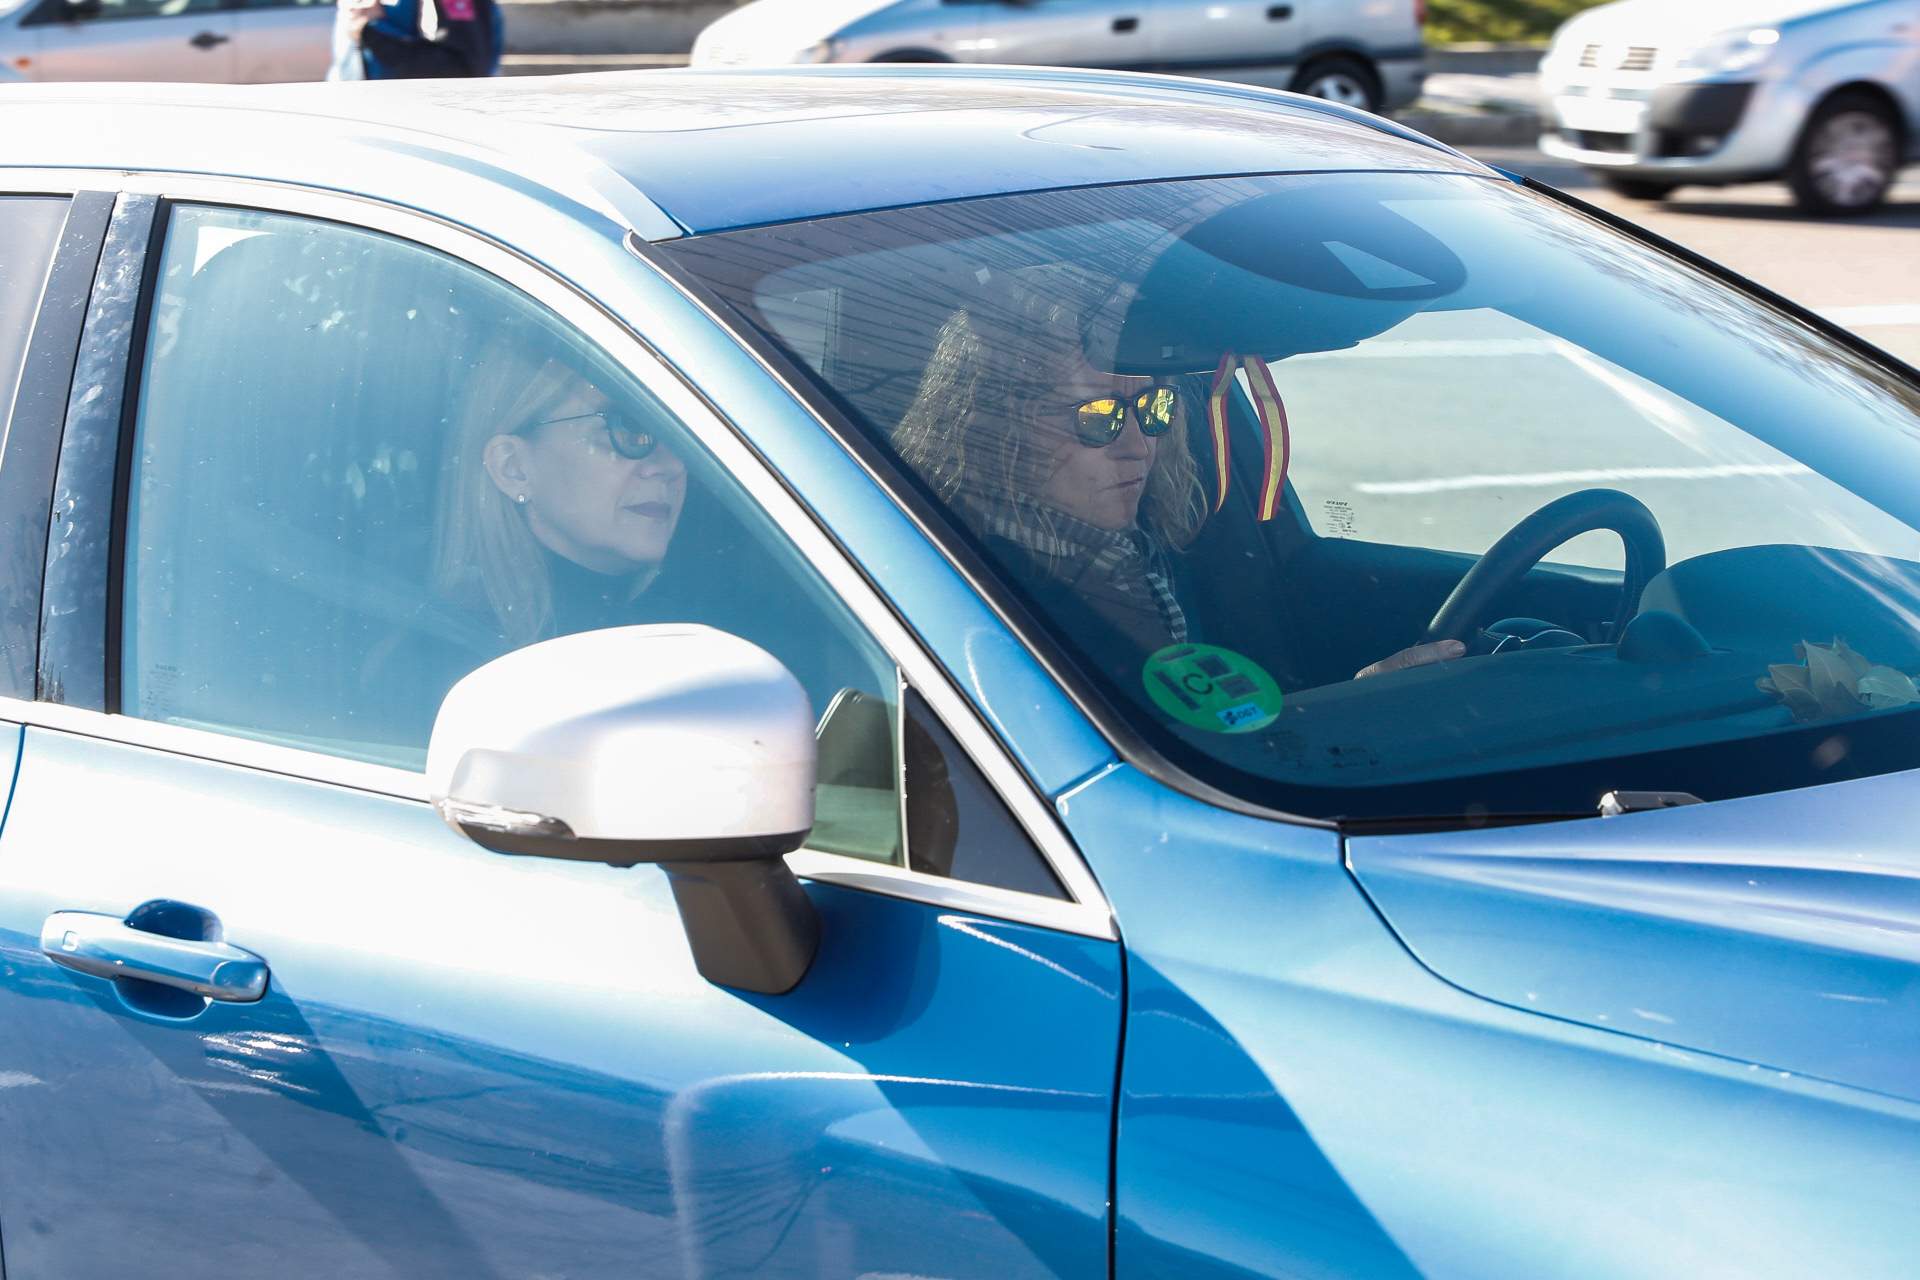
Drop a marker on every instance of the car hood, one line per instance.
(782, 27)
(1780, 930)
(1662, 21)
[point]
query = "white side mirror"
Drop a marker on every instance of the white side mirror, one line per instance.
(673, 744)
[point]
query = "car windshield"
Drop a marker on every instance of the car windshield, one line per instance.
(1234, 444)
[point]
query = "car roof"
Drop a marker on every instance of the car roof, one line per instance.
(668, 153)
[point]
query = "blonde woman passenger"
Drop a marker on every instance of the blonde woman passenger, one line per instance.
(561, 501)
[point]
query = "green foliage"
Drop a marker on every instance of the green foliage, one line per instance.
(1452, 21)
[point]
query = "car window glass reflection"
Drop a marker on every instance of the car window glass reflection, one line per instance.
(363, 470)
(1384, 495)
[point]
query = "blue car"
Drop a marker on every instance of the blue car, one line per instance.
(945, 672)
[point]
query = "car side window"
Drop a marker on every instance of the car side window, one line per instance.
(362, 469)
(956, 825)
(29, 230)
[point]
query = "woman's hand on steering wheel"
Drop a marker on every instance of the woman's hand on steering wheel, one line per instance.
(1419, 655)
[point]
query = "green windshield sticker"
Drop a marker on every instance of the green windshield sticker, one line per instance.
(1217, 690)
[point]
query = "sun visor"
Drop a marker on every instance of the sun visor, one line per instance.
(1272, 277)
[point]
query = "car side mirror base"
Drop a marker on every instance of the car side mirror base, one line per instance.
(749, 923)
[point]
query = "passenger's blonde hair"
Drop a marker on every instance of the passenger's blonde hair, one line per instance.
(484, 555)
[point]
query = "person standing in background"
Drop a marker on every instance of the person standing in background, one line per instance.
(416, 39)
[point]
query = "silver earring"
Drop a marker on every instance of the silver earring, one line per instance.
(520, 498)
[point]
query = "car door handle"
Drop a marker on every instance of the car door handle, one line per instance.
(1279, 13)
(1124, 25)
(109, 947)
(208, 39)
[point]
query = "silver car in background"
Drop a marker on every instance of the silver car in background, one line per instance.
(1365, 53)
(1652, 95)
(207, 41)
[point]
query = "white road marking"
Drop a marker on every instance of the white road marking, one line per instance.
(1438, 348)
(1870, 317)
(1444, 348)
(1546, 479)
(1660, 411)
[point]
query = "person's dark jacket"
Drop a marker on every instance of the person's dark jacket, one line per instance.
(433, 39)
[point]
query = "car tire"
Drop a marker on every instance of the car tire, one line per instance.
(913, 55)
(1847, 156)
(1341, 79)
(1636, 188)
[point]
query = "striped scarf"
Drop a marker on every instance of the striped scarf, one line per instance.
(1121, 574)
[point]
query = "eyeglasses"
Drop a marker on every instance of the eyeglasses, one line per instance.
(628, 440)
(1097, 423)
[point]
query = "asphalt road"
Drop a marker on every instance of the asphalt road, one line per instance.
(1509, 418)
(1863, 273)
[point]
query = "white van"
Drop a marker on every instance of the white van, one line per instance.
(1652, 95)
(1367, 55)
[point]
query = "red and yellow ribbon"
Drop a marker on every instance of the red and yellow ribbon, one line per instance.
(1271, 411)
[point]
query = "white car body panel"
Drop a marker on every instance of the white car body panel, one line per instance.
(195, 47)
(206, 45)
(273, 46)
(1261, 41)
(1615, 74)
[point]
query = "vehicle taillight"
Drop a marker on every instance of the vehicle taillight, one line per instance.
(1420, 12)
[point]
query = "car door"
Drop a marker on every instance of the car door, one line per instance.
(1201, 34)
(467, 1064)
(1071, 33)
(277, 41)
(178, 40)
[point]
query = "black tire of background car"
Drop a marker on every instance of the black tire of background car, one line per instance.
(1863, 112)
(1340, 68)
(1636, 188)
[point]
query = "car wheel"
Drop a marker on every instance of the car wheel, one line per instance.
(1344, 80)
(1847, 156)
(1636, 188)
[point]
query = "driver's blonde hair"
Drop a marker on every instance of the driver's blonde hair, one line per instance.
(969, 434)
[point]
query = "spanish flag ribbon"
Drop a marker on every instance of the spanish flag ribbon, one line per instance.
(1270, 409)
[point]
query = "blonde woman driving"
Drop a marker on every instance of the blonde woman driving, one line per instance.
(1081, 483)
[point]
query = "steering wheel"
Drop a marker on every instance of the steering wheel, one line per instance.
(1527, 543)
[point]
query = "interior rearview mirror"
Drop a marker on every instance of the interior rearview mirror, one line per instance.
(678, 745)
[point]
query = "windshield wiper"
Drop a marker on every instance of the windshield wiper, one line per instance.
(1612, 805)
(1421, 823)
(1615, 803)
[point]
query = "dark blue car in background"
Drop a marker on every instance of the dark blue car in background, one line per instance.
(939, 672)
